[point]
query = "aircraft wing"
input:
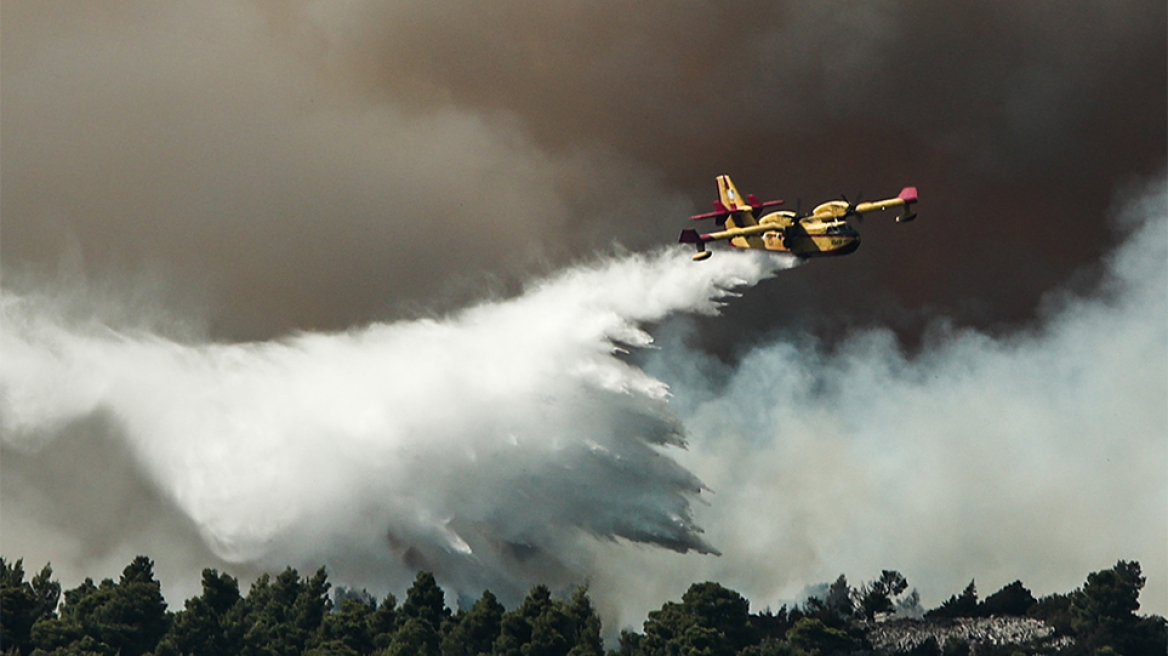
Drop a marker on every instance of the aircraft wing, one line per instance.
(719, 212)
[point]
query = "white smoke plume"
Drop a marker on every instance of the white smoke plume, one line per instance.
(485, 446)
(1040, 455)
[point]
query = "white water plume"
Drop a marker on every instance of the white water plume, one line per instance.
(480, 446)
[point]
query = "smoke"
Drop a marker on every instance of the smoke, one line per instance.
(319, 165)
(484, 446)
(229, 150)
(1039, 455)
(512, 442)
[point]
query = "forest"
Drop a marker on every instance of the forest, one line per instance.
(289, 614)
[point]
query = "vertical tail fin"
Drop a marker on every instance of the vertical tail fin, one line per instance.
(741, 213)
(728, 194)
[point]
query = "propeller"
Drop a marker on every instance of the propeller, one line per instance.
(851, 211)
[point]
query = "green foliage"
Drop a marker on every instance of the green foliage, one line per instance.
(516, 625)
(128, 617)
(1055, 610)
(773, 627)
(420, 619)
(628, 644)
(425, 602)
(543, 626)
(415, 637)
(963, 605)
(839, 598)
(348, 630)
(818, 639)
(289, 615)
(551, 632)
(1013, 599)
(203, 626)
(383, 621)
(279, 617)
(23, 603)
(1103, 613)
(843, 603)
(1110, 596)
(585, 626)
(710, 621)
(476, 631)
(771, 647)
(876, 597)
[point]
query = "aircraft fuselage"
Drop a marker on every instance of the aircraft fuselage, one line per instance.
(803, 238)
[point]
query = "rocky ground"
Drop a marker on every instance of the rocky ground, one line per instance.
(903, 635)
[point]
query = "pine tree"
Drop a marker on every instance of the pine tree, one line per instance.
(128, 617)
(476, 631)
(346, 631)
(1012, 599)
(420, 619)
(280, 616)
(383, 621)
(710, 619)
(586, 626)
(23, 603)
(203, 627)
(963, 605)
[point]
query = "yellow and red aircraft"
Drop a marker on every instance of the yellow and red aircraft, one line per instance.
(825, 231)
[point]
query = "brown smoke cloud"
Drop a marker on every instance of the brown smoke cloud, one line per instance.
(1016, 120)
(290, 166)
(229, 149)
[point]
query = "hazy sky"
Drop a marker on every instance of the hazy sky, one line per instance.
(187, 176)
(288, 166)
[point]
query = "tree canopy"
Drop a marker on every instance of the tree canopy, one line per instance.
(289, 614)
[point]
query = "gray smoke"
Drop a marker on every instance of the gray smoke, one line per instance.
(1038, 455)
(318, 165)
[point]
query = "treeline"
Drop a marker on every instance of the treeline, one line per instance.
(288, 615)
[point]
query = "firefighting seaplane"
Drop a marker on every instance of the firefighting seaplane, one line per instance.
(823, 232)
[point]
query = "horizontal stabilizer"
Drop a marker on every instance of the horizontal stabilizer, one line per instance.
(720, 211)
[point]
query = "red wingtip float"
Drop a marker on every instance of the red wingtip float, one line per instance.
(823, 232)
